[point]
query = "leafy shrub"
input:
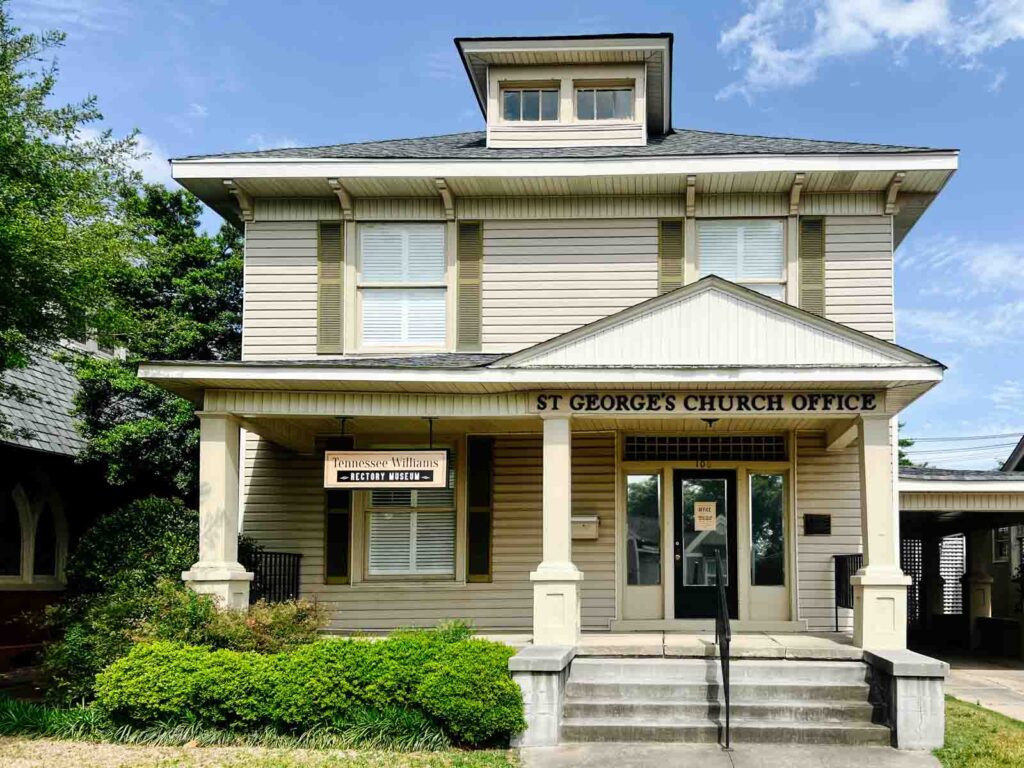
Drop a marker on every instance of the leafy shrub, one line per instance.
(396, 688)
(469, 690)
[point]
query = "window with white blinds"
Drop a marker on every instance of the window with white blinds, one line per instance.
(412, 532)
(750, 252)
(402, 285)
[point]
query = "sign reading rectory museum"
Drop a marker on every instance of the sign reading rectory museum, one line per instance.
(706, 403)
(374, 470)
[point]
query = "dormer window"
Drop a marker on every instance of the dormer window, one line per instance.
(529, 104)
(604, 103)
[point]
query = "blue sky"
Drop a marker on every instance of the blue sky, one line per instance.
(200, 76)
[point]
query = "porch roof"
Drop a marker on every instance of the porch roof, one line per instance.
(942, 501)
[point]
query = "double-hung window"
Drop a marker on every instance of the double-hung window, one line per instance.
(529, 104)
(412, 532)
(402, 285)
(750, 252)
(604, 103)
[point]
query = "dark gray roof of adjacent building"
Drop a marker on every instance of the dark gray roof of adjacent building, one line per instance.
(1015, 461)
(439, 360)
(680, 142)
(46, 415)
(936, 473)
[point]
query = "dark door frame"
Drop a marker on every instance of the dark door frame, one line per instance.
(701, 603)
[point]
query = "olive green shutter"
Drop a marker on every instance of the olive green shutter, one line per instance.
(470, 257)
(670, 255)
(330, 275)
(812, 265)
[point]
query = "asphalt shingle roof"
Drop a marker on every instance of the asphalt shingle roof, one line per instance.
(473, 146)
(936, 473)
(47, 416)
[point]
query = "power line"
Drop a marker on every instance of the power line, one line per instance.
(966, 449)
(963, 438)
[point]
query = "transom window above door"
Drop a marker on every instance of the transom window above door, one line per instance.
(402, 286)
(529, 104)
(750, 252)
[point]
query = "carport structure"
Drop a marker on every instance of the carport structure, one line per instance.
(957, 526)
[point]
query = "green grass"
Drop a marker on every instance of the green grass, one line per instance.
(980, 738)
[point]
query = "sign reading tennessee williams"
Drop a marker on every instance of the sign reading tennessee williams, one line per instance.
(707, 404)
(373, 470)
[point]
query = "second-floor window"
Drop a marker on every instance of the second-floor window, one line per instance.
(604, 103)
(750, 252)
(529, 104)
(402, 287)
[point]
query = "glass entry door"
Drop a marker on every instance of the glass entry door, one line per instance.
(705, 522)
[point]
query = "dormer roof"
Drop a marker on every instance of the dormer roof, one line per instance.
(654, 50)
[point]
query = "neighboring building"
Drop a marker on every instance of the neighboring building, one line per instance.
(642, 346)
(46, 499)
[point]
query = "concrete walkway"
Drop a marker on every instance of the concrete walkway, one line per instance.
(709, 756)
(996, 684)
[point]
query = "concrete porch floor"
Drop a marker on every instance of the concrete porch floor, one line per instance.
(826, 646)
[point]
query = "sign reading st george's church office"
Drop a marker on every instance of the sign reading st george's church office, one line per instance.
(704, 404)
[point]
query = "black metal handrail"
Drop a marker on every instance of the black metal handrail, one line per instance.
(845, 566)
(723, 636)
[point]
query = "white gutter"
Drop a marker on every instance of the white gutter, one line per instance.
(555, 376)
(278, 167)
(922, 485)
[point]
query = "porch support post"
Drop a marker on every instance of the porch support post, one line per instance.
(218, 572)
(556, 582)
(879, 588)
(977, 582)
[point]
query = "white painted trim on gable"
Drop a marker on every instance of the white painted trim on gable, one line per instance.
(292, 168)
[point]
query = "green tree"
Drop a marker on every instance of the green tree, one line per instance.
(180, 298)
(905, 460)
(62, 233)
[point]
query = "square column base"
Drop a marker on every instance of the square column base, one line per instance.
(880, 609)
(556, 607)
(228, 583)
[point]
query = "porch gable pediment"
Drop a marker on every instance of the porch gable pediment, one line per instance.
(713, 323)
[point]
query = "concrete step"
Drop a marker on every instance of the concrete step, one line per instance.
(656, 711)
(599, 670)
(704, 692)
(698, 731)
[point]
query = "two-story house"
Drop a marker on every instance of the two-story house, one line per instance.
(569, 374)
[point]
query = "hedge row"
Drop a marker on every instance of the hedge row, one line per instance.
(462, 684)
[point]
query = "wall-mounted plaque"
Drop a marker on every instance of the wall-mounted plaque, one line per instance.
(817, 525)
(391, 470)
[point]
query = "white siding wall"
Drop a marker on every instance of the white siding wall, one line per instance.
(283, 502)
(826, 483)
(279, 307)
(543, 278)
(859, 273)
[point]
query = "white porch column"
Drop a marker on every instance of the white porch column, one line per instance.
(556, 588)
(977, 582)
(218, 572)
(879, 588)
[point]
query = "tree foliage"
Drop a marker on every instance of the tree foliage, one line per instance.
(62, 233)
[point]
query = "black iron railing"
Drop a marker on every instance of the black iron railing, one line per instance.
(723, 637)
(275, 576)
(846, 566)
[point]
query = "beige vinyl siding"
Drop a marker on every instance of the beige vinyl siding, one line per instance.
(596, 133)
(826, 483)
(280, 297)
(543, 278)
(283, 510)
(859, 273)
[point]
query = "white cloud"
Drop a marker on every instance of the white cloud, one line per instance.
(992, 325)
(76, 16)
(1008, 397)
(954, 266)
(441, 65)
(784, 43)
(260, 141)
(196, 110)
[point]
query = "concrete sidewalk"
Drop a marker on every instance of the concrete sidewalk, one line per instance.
(711, 756)
(996, 684)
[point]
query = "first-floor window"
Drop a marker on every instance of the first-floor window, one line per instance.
(750, 252)
(412, 532)
(1000, 544)
(402, 285)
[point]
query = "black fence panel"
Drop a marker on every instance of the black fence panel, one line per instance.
(275, 576)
